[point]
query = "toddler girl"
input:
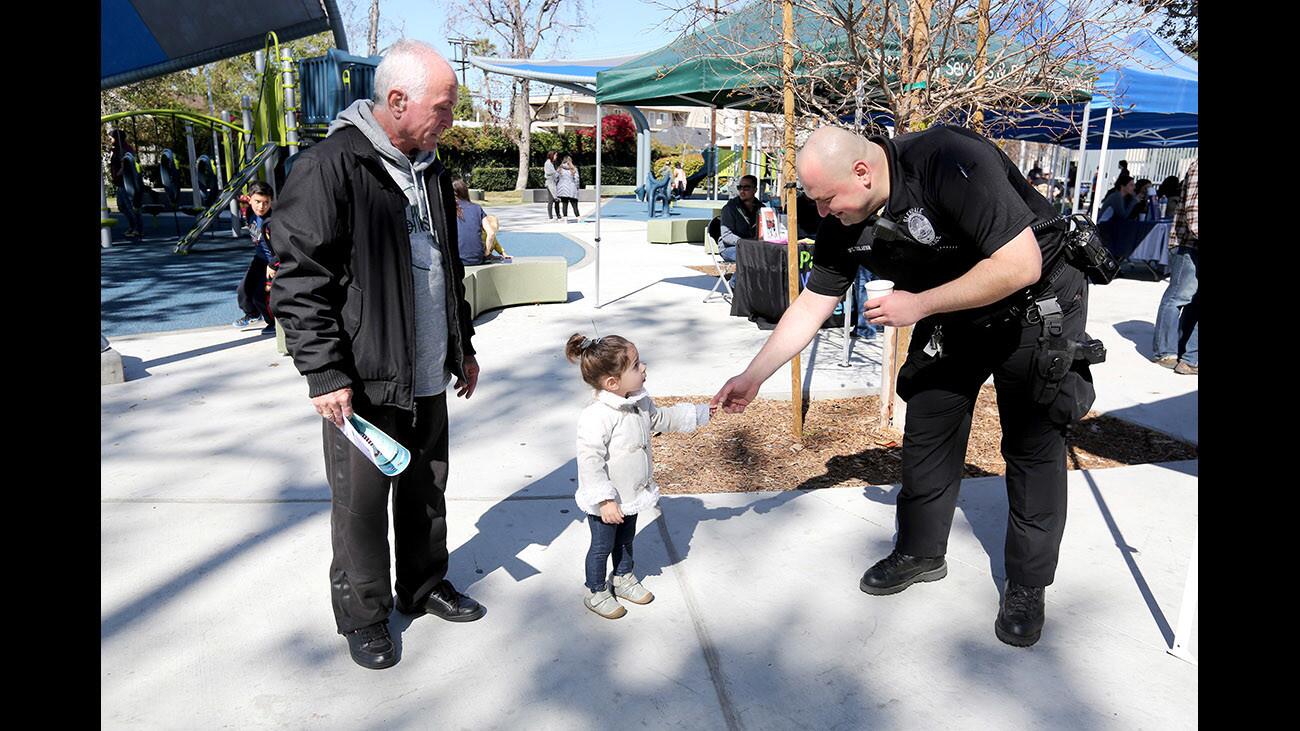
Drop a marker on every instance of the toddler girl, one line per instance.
(615, 471)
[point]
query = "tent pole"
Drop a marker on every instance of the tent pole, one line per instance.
(1101, 163)
(1187, 611)
(598, 146)
(713, 142)
(1083, 149)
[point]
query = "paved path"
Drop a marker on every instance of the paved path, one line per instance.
(215, 551)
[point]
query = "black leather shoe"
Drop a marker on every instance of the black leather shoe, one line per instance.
(371, 647)
(1020, 619)
(444, 601)
(897, 571)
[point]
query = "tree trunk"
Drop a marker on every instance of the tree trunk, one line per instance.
(981, 50)
(524, 123)
(912, 116)
(919, 50)
(372, 38)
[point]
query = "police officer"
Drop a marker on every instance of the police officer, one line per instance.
(945, 214)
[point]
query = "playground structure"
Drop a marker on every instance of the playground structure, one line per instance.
(295, 104)
(659, 189)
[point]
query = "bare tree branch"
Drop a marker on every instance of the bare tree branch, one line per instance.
(1040, 54)
(521, 25)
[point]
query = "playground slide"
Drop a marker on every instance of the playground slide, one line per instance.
(222, 202)
(710, 155)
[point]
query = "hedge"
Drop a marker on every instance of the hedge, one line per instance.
(609, 175)
(500, 178)
(463, 149)
(692, 165)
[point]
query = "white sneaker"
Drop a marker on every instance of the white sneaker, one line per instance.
(627, 587)
(604, 604)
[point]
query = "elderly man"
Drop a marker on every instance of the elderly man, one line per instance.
(947, 216)
(740, 217)
(370, 296)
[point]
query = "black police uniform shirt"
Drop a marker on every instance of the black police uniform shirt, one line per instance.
(961, 199)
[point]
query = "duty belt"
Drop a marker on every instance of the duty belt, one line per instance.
(1029, 306)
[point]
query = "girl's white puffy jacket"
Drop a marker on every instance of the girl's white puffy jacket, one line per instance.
(614, 448)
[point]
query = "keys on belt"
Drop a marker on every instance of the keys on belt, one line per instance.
(935, 346)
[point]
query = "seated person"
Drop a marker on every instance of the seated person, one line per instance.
(739, 217)
(1121, 202)
(1144, 193)
(476, 231)
(1170, 190)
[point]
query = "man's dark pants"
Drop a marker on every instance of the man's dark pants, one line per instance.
(940, 402)
(360, 588)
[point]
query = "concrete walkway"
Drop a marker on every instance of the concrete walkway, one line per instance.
(215, 549)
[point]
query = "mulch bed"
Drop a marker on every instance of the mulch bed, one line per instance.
(843, 446)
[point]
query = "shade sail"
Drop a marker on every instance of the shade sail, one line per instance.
(141, 39)
(575, 71)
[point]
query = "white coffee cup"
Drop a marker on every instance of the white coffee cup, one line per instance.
(879, 288)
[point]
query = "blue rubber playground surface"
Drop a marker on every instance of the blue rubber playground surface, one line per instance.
(631, 209)
(144, 287)
(541, 244)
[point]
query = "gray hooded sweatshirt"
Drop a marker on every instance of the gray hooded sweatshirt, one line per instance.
(431, 375)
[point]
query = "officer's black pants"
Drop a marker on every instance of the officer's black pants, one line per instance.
(360, 588)
(940, 395)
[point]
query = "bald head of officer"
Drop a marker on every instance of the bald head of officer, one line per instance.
(847, 175)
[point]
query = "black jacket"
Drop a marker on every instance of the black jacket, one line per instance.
(344, 291)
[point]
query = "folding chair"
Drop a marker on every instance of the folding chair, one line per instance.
(711, 237)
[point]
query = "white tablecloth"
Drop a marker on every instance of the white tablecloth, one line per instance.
(1154, 246)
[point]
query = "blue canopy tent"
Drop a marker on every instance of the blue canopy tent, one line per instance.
(1152, 97)
(1150, 102)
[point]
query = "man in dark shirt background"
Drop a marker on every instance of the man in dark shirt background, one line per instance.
(967, 255)
(740, 217)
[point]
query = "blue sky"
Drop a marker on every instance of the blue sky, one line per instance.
(614, 27)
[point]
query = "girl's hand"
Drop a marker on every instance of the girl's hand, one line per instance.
(610, 513)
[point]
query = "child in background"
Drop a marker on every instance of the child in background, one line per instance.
(615, 470)
(252, 291)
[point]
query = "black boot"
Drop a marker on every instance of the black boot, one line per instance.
(1020, 619)
(897, 571)
(371, 647)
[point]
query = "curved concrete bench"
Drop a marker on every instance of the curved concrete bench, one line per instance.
(525, 280)
(676, 230)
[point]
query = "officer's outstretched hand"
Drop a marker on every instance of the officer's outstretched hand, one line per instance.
(898, 309)
(735, 394)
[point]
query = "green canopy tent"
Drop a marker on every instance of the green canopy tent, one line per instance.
(723, 64)
(718, 65)
(737, 62)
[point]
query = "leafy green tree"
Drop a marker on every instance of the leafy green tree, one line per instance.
(464, 108)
